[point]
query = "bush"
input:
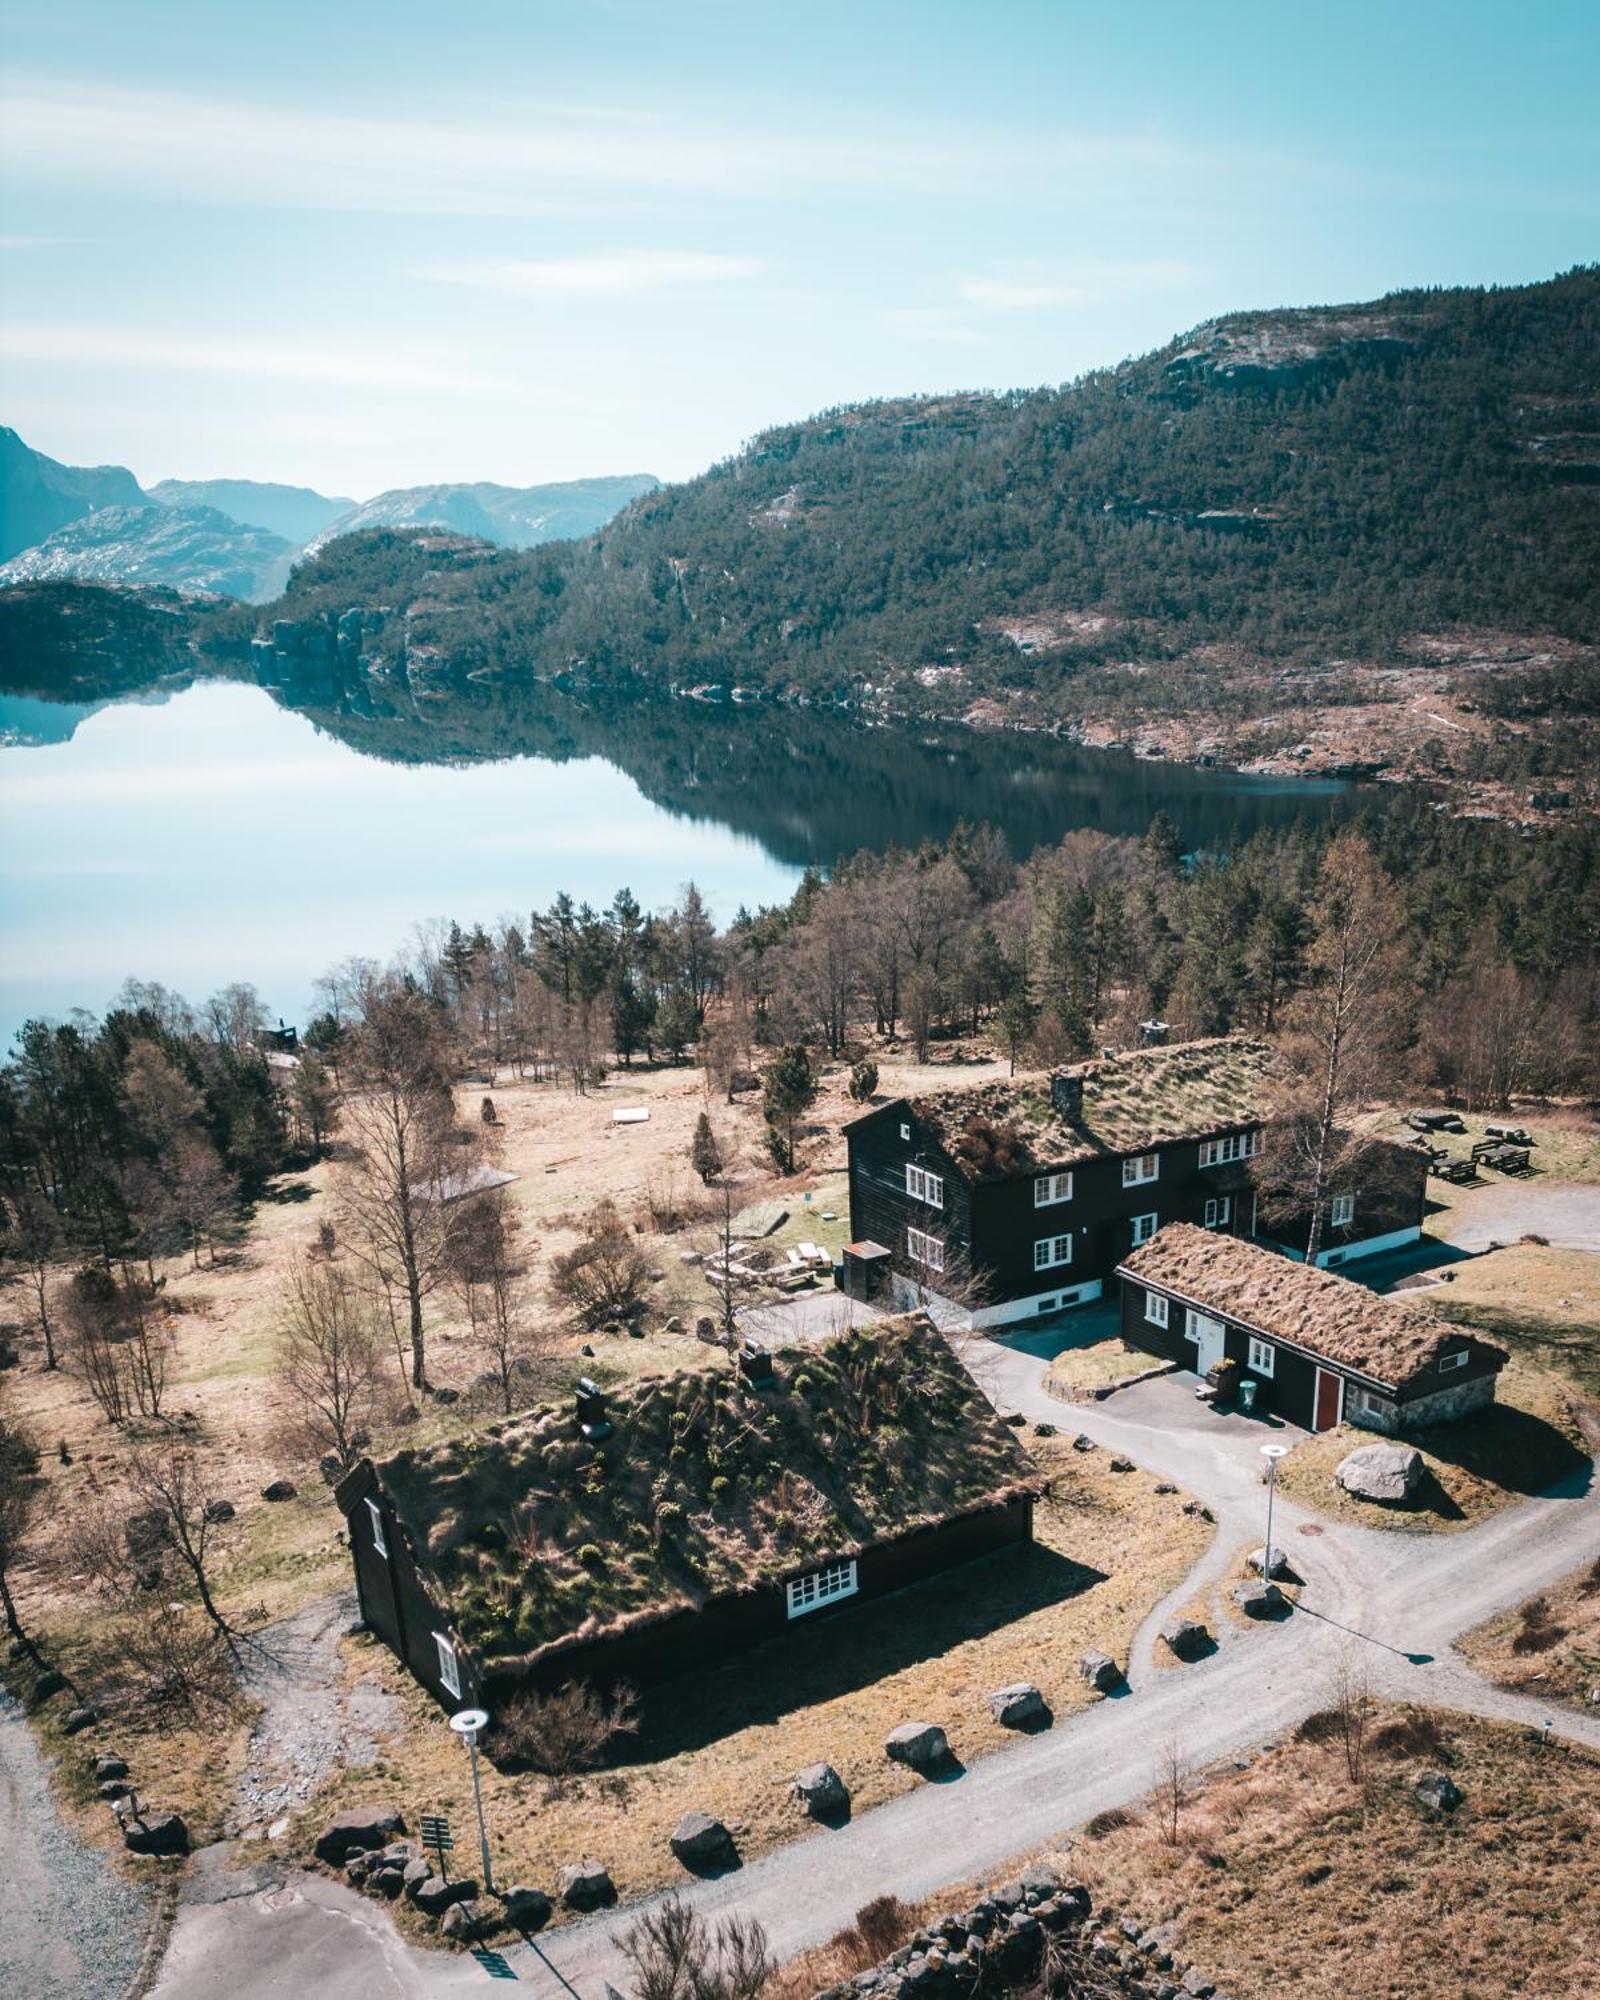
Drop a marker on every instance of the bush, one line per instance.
(607, 1277)
(566, 1732)
(863, 1081)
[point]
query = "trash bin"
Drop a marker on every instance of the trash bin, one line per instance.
(1247, 1397)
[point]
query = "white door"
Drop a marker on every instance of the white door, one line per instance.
(1207, 1335)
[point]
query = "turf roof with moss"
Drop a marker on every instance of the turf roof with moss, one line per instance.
(1132, 1102)
(529, 1534)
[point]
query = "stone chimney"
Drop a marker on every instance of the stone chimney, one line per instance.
(592, 1418)
(1066, 1094)
(755, 1365)
(1153, 1033)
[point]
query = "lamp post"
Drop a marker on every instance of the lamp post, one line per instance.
(1271, 1453)
(469, 1724)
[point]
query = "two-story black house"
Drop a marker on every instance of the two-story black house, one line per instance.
(1000, 1201)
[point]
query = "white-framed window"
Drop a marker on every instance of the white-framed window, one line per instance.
(1263, 1356)
(1219, 1211)
(1144, 1227)
(922, 1248)
(1196, 1323)
(905, 1131)
(375, 1515)
(1363, 1403)
(1342, 1211)
(1156, 1308)
(1049, 1251)
(449, 1665)
(1143, 1167)
(925, 1187)
(1223, 1152)
(1449, 1361)
(1048, 1189)
(823, 1586)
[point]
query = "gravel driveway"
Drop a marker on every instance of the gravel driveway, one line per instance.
(70, 1927)
(1565, 1213)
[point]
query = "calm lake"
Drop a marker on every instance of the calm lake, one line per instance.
(220, 834)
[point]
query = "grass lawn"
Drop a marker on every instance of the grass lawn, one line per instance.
(1542, 1304)
(1288, 1877)
(1077, 1372)
(1527, 1441)
(1549, 1646)
(1566, 1139)
(1108, 1547)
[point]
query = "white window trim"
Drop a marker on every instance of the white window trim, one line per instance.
(1342, 1211)
(1447, 1362)
(922, 1248)
(1219, 1211)
(1048, 1189)
(827, 1585)
(1141, 1233)
(449, 1665)
(905, 1131)
(376, 1514)
(1048, 1255)
(924, 1187)
(1143, 1167)
(1157, 1308)
(1263, 1357)
(1224, 1152)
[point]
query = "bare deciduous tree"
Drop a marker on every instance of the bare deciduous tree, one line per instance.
(329, 1350)
(19, 1496)
(170, 1483)
(607, 1276)
(1174, 1785)
(492, 1281)
(1352, 1705)
(32, 1239)
(676, 1955)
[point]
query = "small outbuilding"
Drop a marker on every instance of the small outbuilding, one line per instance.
(637, 1534)
(1321, 1349)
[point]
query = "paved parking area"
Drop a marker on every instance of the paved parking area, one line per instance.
(1565, 1213)
(804, 1319)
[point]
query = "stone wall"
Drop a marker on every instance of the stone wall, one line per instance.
(1443, 1406)
(1009, 1937)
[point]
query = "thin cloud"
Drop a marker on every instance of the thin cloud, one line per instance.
(1090, 281)
(109, 347)
(618, 274)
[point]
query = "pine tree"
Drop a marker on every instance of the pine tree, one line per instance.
(704, 1155)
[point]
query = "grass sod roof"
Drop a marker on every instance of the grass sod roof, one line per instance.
(1132, 1102)
(1313, 1309)
(530, 1535)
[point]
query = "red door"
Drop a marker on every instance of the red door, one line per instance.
(1329, 1400)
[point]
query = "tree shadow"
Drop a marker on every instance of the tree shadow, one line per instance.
(853, 1648)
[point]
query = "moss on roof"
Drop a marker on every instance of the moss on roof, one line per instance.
(1131, 1103)
(1313, 1309)
(530, 1535)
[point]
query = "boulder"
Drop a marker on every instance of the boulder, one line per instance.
(527, 1909)
(361, 1826)
(1019, 1706)
(156, 1833)
(467, 1921)
(1044, 1430)
(1281, 1570)
(108, 1766)
(1384, 1472)
(1196, 1984)
(1100, 1671)
(413, 1875)
(1120, 1464)
(76, 1720)
(1082, 1442)
(922, 1745)
(279, 1489)
(47, 1687)
(587, 1885)
(821, 1791)
(1186, 1638)
(436, 1895)
(1260, 1600)
(357, 1867)
(1437, 1792)
(113, 1788)
(388, 1878)
(219, 1510)
(700, 1840)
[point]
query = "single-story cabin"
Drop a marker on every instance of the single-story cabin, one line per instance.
(1321, 1349)
(636, 1534)
(1004, 1200)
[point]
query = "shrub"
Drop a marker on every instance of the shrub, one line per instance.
(863, 1082)
(607, 1276)
(566, 1732)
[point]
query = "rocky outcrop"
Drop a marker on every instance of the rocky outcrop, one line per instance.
(1388, 1473)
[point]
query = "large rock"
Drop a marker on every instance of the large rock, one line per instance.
(1388, 1472)
(108, 1766)
(279, 1489)
(821, 1791)
(1260, 1600)
(360, 1826)
(700, 1840)
(1100, 1671)
(76, 1720)
(467, 1921)
(1019, 1706)
(436, 1894)
(587, 1885)
(1439, 1793)
(1282, 1571)
(1186, 1638)
(527, 1909)
(922, 1745)
(156, 1833)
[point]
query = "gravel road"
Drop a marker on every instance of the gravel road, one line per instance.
(70, 1927)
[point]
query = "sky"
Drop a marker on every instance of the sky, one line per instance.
(376, 243)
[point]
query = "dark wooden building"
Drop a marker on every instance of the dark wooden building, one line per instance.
(1321, 1349)
(1006, 1200)
(636, 1535)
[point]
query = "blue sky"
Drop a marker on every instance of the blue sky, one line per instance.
(358, 245)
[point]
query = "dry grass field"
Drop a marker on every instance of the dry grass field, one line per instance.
(1547, 1647)
(1291, 1877)
(1108, 1547)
